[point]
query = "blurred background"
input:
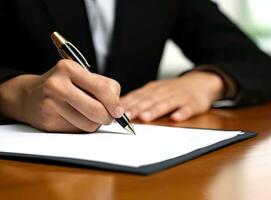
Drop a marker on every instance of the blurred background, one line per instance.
(252, 16)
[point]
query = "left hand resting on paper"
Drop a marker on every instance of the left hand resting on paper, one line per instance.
(182, 97)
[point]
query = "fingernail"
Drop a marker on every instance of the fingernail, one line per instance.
(118, 112)
(146, 116)
(177, 116)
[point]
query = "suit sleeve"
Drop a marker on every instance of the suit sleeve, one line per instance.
(7, 27)
(207, 37)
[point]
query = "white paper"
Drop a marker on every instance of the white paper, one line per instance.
(150, 145)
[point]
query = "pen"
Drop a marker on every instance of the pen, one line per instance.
(69, 51)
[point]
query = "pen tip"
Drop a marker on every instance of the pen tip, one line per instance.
(130, 129)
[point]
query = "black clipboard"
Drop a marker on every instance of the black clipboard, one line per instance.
(143, 170)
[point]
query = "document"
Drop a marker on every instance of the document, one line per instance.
(110, 144)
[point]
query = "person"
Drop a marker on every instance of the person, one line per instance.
(123, 41)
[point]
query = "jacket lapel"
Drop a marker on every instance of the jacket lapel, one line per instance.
(118, 42)
(70, 19)
(134, 38)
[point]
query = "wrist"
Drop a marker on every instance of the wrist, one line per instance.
(230, 85)
(9, 95)
(210, 82)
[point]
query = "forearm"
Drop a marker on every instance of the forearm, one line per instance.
(10, 97)
(7, 98)
(211, 39)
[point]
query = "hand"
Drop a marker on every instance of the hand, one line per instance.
(66, 98)
(183, 97)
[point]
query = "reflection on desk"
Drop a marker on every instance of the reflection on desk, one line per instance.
(241, 171)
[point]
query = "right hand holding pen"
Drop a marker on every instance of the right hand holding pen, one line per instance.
(65, 98)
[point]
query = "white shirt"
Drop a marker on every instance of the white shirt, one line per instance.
(101, 17)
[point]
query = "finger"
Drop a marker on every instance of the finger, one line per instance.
(145, 104)
(159, 109)
(138, 108)
(88, 106)
(58, 124)
(183, 113)
(65, 126)
(110, 96)
(115, 88)
(137, 101)
(106, 90)
(62, 125)
(130, 109)
(55, 123)
(93, 109)
(75, 118)
(190, 109)
(132, 97)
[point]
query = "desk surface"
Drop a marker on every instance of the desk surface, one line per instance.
(240, 171)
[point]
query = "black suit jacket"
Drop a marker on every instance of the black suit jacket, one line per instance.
(141, 30)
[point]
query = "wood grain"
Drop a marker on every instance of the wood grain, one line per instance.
(241, 171)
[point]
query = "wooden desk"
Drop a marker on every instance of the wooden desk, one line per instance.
(241, 171)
